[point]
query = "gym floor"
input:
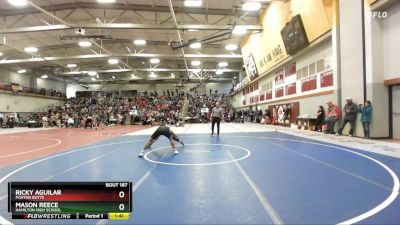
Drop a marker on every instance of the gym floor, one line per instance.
(250, 174)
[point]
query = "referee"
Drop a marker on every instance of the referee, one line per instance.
(166, 132)
(216, 114)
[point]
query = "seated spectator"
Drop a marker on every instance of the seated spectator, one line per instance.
(332, 116)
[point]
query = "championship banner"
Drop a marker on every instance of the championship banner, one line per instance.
(251, 68)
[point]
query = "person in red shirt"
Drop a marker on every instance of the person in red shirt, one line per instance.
(332, 116)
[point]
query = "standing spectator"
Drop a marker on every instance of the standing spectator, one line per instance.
(1, 120)
(274, 116)
(259, 116)
(45, 121)
(332, 116)
(320, 118)
(267, 115)
(16, 119)
(366, 115)
(350, 114)
(89, 122)
(286, 114)
(70, 122)
(252, 114)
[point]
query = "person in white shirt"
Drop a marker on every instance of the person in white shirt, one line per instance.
(70, 122)
(45, 121)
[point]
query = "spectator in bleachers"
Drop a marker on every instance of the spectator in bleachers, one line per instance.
(70, 122)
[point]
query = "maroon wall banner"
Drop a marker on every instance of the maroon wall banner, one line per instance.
(262, 97)
(327, 79)
(279, 92)
(268, 95)
(309, 83)
(279, 78)
(291, 89)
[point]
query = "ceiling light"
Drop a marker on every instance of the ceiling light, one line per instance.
(173, 75)
(219, 72)
(193, 30)
(105, 1)
(152, 75)
(223, 64)
(193, 3)
(21, 71)
(195, 45)
(30, 49)
(1, 53)
(92, 73)
(113, 77)
(85, 43)
(154, 60)
(113, 61)
(139, 42)
(234, 77)
(71, 65)
(93, 79)
(99, 21)
(239, 30)
(18, 2)
(44, 76)
(196, 63)
(251, 6)
(231, 47)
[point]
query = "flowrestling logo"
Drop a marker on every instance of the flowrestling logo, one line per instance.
(379, 14)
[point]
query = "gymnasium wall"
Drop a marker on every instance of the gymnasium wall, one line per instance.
(32, 81)
(308, 104)
(72, 89)
(318, 20)
(274, 18)
(203, 89)
(51, 84)
(15, 103)
(391, 48)
(8, 76)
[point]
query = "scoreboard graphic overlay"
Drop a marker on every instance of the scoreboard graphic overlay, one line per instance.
(70, 200)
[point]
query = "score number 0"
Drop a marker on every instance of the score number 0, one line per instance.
(121, 195)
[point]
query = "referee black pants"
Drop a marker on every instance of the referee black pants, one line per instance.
(213, 121)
